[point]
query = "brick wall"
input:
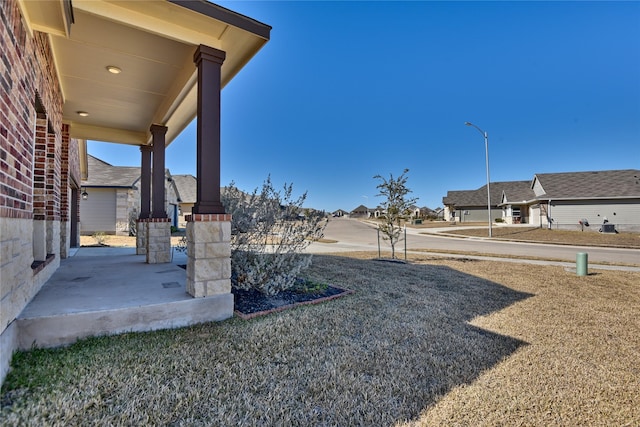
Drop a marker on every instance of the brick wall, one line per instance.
(26, 69)
(30, 140)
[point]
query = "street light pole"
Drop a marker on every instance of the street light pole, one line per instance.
(486, 149)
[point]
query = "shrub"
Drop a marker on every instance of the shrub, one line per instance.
(269, 232)
(100, 238)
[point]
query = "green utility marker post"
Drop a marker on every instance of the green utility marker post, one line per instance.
(582, 260)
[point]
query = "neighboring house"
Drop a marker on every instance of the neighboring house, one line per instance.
(377, 212)
(186, 191)
(561, 200)
(110, 201)
(556, 200)
(416, 212)
(339, 213)
(471, 205)
(439, 213)
(360, 212)
(423, 212)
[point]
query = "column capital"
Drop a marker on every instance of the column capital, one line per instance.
(158, 129)
(146, 148)
(208, 53)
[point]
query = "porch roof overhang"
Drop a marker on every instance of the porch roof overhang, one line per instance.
(152, 43)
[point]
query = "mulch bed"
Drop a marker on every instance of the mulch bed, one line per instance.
(252, 303)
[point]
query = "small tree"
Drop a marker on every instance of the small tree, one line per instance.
(396, 206)
(269, 232)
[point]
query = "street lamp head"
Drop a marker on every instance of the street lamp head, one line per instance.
(468, 124)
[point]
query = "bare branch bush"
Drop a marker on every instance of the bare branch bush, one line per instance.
(269, 232)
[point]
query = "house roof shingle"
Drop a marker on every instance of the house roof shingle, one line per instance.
(479, 197)
(186, 186)
(518, 191)
(590, 185)
(102, 174)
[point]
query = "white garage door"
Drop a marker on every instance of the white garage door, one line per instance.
(98, 212)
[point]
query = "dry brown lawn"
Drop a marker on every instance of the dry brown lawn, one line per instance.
(437, 342)
(566, 237)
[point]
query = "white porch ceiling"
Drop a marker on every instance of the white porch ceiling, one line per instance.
(153, 43)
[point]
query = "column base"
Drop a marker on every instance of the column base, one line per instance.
(158, 240)
(141, 237)
(208, 254)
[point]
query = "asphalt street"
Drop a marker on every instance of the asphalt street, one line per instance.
(355, 235)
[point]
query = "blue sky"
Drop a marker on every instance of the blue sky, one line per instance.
(344, 91)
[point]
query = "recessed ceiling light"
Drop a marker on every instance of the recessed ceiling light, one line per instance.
(82, 113)
(113, 69)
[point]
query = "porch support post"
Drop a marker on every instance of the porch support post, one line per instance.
(145, 182)
(209, 228)
(157, 173)
(209, 62)
(158, 226)
(145, 200)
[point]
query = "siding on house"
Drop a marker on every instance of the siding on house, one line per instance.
(98, 212)
(476, 214)
(123, 182)
(624, 214)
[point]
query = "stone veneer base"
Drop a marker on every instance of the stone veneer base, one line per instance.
(208, 254)
(158, 240)
(141, 237)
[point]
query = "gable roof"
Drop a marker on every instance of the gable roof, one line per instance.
(588, 185)
(361, 208)
(103, 174)
(517, 191)
(479, 197)
(186, 188)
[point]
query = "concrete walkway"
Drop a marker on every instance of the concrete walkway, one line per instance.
(101, 291)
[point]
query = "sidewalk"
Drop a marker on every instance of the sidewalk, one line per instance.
(111, 290)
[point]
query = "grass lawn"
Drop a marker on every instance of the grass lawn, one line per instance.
(433, 342)
(565, 237)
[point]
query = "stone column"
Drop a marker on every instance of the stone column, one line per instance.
(209, 228)
(145, 200)
(158, 240)
(209, 255)
(141, 236)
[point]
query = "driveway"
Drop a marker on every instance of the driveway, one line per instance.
(354, 235)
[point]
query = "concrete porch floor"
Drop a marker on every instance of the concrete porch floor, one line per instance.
(105, 291)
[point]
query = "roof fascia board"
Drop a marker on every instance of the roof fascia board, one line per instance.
(154, 24)
(571, 199)
(225, 15)
(84, 160)
(51, 17)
